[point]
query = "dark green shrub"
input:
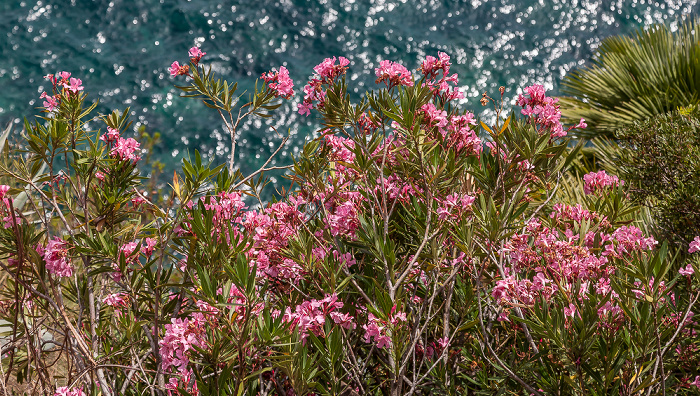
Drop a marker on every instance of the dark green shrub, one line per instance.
(661, 162)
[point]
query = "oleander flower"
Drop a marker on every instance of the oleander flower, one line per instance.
(56, 257)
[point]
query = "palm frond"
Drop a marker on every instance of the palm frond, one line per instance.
(635, 77)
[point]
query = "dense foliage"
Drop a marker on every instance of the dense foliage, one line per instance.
(633, 78)
(660, 159)
(406, 256)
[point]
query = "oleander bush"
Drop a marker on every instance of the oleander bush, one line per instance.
(416, 250)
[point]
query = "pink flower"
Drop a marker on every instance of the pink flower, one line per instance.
(55, 256)
(694, 245)
(181, 336)
(542, 110)
(179, 70)
(74, 85)
(328, 70)
(600, 181)
(117, 300)
(570, 311)
(3, 190)
(124, 149)
(393, 74)
(64, 75)
(696, 382)
(310, 316)
(432, 65)
(195, 55)
(99, 175)
(128, 251)
(280, 82)
(137, 201)
(149, 246)
(305, 108)
(111, 136)
(65, 391)
(315, 91)
(687, 271)
(434, 116)
(51, 102)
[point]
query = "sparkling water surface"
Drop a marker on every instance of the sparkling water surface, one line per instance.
(122, 50)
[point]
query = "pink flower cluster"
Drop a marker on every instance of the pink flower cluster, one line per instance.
(454, 206)
(111, 136)
(117, 300)
(431, 68)
(310, 316)
(181, 336)
(596, 182)
(341, 148)
(176, 69)
(56, 257)
(544, 111)
(195, 55)
(434, 116)
(343, 213)
(629, 239)
(461, 137)
(694, 245)
(66, 391)
(272, 230)
(126, 149)
(576, 213)
(62, 80)
(280, 82)
(393, 74)
(326, 72)
(380, 329)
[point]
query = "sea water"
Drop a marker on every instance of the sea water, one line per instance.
(122, 49)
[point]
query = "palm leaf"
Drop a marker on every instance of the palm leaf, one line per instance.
(633, 78)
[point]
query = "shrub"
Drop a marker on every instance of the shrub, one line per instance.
(407, 256)
(660, 158)
(633, 78)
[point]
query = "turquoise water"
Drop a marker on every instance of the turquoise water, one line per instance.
(122, 48)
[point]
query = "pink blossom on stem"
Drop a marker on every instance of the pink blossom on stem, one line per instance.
(280, 82)
(3, 191)
(66, 391)
(543, 110)
(111, 136)
(125, 149)
(595, 182)
(570, 311)
(434, 116)
(696, 383)
(148, 247)
(694, 245)
(116, 300)
(195, 55)
(74, 85)
(178, 70)
(326, 72)
(687, 271)
(393, 74)
(56, 258)
(181, 336)
(127, 251)
(50, 102)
